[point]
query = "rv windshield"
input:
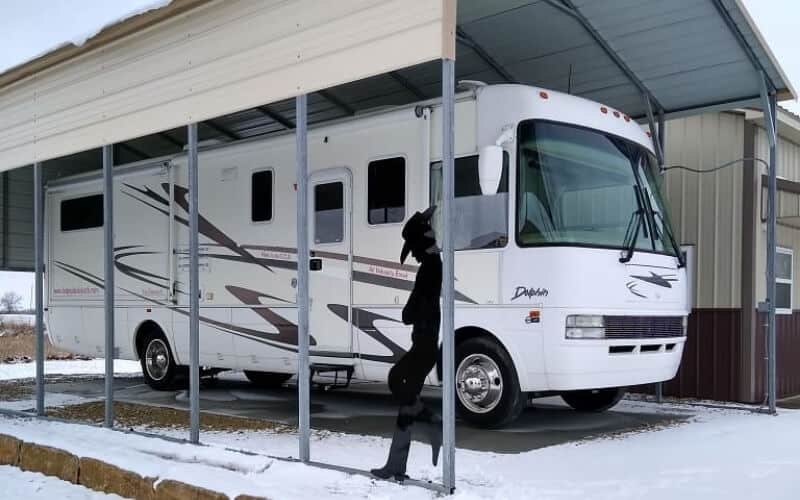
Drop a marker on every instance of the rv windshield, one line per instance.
(576, 186)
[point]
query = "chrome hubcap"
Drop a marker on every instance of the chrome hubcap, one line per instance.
(157, 359)
(479, 384)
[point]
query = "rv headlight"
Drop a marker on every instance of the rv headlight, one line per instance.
(685, 324)
(585, 326)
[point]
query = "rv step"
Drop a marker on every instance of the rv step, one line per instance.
(346, 372)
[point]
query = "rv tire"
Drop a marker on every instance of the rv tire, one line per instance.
(487, 387)
(158, 363)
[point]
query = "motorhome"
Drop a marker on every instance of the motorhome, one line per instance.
(568, 279)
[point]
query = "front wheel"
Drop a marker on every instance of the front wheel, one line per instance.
(594, 400)
(487, 386)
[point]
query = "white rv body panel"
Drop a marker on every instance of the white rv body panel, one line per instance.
(248, 316)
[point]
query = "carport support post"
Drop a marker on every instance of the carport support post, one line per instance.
(194, 291)
(448, 277)
(662, 161)
(38, 266)
(303, 379)
(769, 106)
(108, 268)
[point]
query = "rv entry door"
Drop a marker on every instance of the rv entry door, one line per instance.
(330, 280)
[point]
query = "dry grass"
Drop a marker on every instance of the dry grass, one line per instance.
(19, 341)
(138, 415)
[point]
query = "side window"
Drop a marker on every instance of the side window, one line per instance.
(480, 221)
(329, 212)
(82, 213)
(261, 196)
(784, 272)
(386, 191)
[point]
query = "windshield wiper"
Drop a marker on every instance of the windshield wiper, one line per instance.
(673, 242)
(634, 225)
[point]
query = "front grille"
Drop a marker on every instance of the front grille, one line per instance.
(643, 327)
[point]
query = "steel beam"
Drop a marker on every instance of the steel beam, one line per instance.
(194, 290)
(303, 377)
(230, 134)
(406, 84)
(108, 269)
(769, 106)
(731, 24)
(175, 142)
(651, 123)
(569, 8)
(275, 116)
(134, 151)
(328, 96)
(6, 230)
(38, 266)
(448, 277)
(465, 39)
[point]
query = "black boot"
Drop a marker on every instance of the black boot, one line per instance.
(433, 427)
(398, 456)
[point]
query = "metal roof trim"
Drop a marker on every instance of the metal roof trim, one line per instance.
(773, 61)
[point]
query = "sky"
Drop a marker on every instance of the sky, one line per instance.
(32, 27)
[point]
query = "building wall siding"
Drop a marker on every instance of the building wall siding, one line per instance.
(706, 208)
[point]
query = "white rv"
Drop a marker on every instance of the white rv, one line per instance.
(568, 279)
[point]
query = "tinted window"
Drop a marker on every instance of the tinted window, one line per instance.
(329, 212)
(386, 191)
(261, 196)
(82, 213)
(480, 221)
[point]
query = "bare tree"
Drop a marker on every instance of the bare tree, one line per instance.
(10, 301)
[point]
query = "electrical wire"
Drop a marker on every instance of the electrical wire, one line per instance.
(715, 169)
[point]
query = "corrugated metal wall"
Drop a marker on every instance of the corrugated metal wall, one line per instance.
(788, 206)
(16, 220)
(706, 209)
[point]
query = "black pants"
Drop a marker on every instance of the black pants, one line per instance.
(407, 376)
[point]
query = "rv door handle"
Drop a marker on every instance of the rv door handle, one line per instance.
(315, 264)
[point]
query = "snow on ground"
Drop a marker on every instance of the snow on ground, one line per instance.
(68, 367)
(32, 486)
(19, 319)
(717, 454)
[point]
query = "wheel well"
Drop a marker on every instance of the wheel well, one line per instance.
(465, 333)
(144, 329)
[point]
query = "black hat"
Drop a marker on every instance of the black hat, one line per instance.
(418, 234)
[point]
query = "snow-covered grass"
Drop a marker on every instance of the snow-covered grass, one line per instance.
(18, 319)
(715, 454)
(68, 367)
(17, 483)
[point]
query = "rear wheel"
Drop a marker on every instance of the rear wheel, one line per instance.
(268, 380)
(158, 364)
(487, 387)
(593, 400)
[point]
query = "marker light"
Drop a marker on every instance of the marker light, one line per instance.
(543, 94)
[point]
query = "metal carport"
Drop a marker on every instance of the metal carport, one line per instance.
(200, 70)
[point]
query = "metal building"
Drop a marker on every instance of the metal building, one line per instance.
(722, 216)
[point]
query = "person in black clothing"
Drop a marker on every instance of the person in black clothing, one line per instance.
(407, 376)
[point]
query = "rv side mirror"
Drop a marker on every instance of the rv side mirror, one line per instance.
(490, 168)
